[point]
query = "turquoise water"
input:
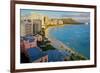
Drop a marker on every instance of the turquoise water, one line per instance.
(74, 36)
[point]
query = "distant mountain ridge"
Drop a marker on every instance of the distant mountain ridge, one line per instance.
(70, 21)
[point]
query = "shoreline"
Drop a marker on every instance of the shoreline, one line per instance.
(60, 45)
(56, 43)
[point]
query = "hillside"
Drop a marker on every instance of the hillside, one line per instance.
(69, 21)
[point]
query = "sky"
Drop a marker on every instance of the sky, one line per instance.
(79, 16)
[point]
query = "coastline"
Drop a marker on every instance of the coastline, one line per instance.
(58, 44)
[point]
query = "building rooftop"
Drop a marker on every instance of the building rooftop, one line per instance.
(28, 37)
(53, 55)
(56, 55)
(35, 53)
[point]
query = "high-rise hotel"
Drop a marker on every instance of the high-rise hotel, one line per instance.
(32, 24)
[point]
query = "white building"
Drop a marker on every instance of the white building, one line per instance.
(32, 24)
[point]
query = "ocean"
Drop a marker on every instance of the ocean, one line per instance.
(75, 36)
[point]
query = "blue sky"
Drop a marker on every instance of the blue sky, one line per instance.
(79, 16)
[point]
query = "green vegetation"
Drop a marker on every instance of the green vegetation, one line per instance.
(76, 57)
(45, 43)
(48, 47)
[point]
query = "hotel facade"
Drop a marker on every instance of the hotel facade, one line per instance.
(32, 24)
